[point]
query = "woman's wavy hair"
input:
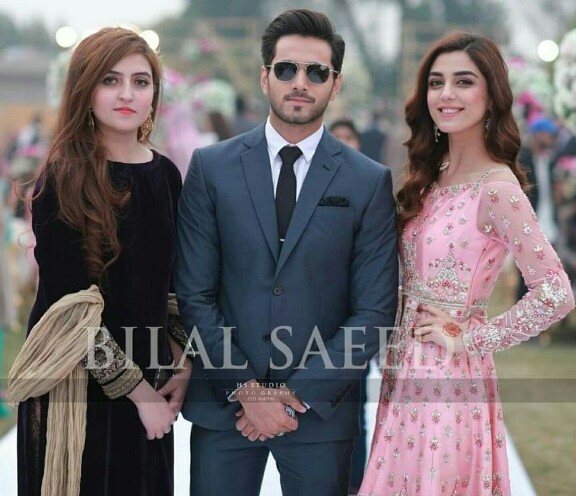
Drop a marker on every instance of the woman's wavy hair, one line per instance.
(424, 153)
(76, 165)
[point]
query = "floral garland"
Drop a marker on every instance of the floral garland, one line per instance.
(565, 81)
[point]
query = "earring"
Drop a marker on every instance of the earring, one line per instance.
(436, 133)
(146, 128)
(90, 120)
(487, 125)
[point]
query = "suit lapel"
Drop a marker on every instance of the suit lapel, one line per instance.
(257, 171)
(319, 176)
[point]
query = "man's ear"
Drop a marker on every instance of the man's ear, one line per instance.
(264, 73)
(336, 87)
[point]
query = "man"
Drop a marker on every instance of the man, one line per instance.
(273, 298)
(345, 131)
(539, 157)
(373, 139)
(243, 120)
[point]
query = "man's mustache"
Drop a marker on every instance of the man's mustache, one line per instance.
(300, 95)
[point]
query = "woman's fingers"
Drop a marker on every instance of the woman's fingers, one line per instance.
(434, 311)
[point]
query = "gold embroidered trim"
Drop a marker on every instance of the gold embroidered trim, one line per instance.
(125, 383)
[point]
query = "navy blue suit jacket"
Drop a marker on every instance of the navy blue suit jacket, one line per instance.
(338, 267)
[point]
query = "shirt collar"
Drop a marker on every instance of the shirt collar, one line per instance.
(307, 145)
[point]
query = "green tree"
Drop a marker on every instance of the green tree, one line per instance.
(35, 34)
(8, 32)
(32, 34)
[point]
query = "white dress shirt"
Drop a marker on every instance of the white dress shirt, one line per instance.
(307, 145)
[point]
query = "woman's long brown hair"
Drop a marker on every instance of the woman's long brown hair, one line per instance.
(424, 154)
(76, 165)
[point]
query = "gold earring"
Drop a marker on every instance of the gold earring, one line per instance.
(90, 120)
(146, 128)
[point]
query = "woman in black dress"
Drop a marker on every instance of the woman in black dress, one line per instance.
(104, 214)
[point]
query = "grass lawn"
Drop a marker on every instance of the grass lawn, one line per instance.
(543, 431)
(13, 342)
(538, 391)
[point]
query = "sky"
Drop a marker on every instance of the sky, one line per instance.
(91, 15)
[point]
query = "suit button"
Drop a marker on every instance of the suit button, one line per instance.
(277, 290)
(267, 338)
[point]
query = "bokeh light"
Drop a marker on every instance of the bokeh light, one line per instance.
(151, 38)
(548, 50)
(66, 37)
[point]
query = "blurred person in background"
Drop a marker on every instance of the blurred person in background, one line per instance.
(345, 131)
(565, 201)
(5, 294)
(25, 155)
(538, 156)
(244, 120)
(373, 139)
(216, 128)
(103, 214)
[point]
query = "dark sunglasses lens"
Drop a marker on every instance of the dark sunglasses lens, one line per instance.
(318, 73)
(285, 71)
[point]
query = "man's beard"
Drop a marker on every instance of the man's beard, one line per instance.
(299, 116)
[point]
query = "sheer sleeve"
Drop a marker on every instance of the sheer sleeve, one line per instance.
(506, 216)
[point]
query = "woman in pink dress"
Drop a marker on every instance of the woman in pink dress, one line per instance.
(439, 428)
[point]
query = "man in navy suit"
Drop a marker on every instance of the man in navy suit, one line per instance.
(287, 277)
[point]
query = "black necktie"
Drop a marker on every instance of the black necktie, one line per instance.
(286, 189)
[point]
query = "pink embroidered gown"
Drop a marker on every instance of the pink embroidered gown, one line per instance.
(439, 428)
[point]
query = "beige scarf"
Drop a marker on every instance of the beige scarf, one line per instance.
(50, 361)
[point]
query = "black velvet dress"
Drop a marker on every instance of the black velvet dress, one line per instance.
(118, 460)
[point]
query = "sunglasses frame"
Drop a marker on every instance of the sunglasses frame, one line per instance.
(299, 65)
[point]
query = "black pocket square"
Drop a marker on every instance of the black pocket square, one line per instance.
(334, 201)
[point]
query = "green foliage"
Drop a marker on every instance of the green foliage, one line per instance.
(36, 35)
(8, 31)
(486, 16)
(32, 34)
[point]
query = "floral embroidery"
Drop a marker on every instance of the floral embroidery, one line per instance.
(539, 252)
(493, 194)
(515, 203)
(526, 229)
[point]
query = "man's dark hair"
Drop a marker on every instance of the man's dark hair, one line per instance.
(304, 23)
(348, 123)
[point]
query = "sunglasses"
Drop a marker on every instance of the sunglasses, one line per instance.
(316, 73)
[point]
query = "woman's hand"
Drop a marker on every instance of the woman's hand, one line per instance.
(437, 327)
(154, 411)
(175, 389)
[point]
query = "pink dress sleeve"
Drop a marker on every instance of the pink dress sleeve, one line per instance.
(506, 216)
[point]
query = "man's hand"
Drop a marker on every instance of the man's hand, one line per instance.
(263, 415)
(247, 429)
